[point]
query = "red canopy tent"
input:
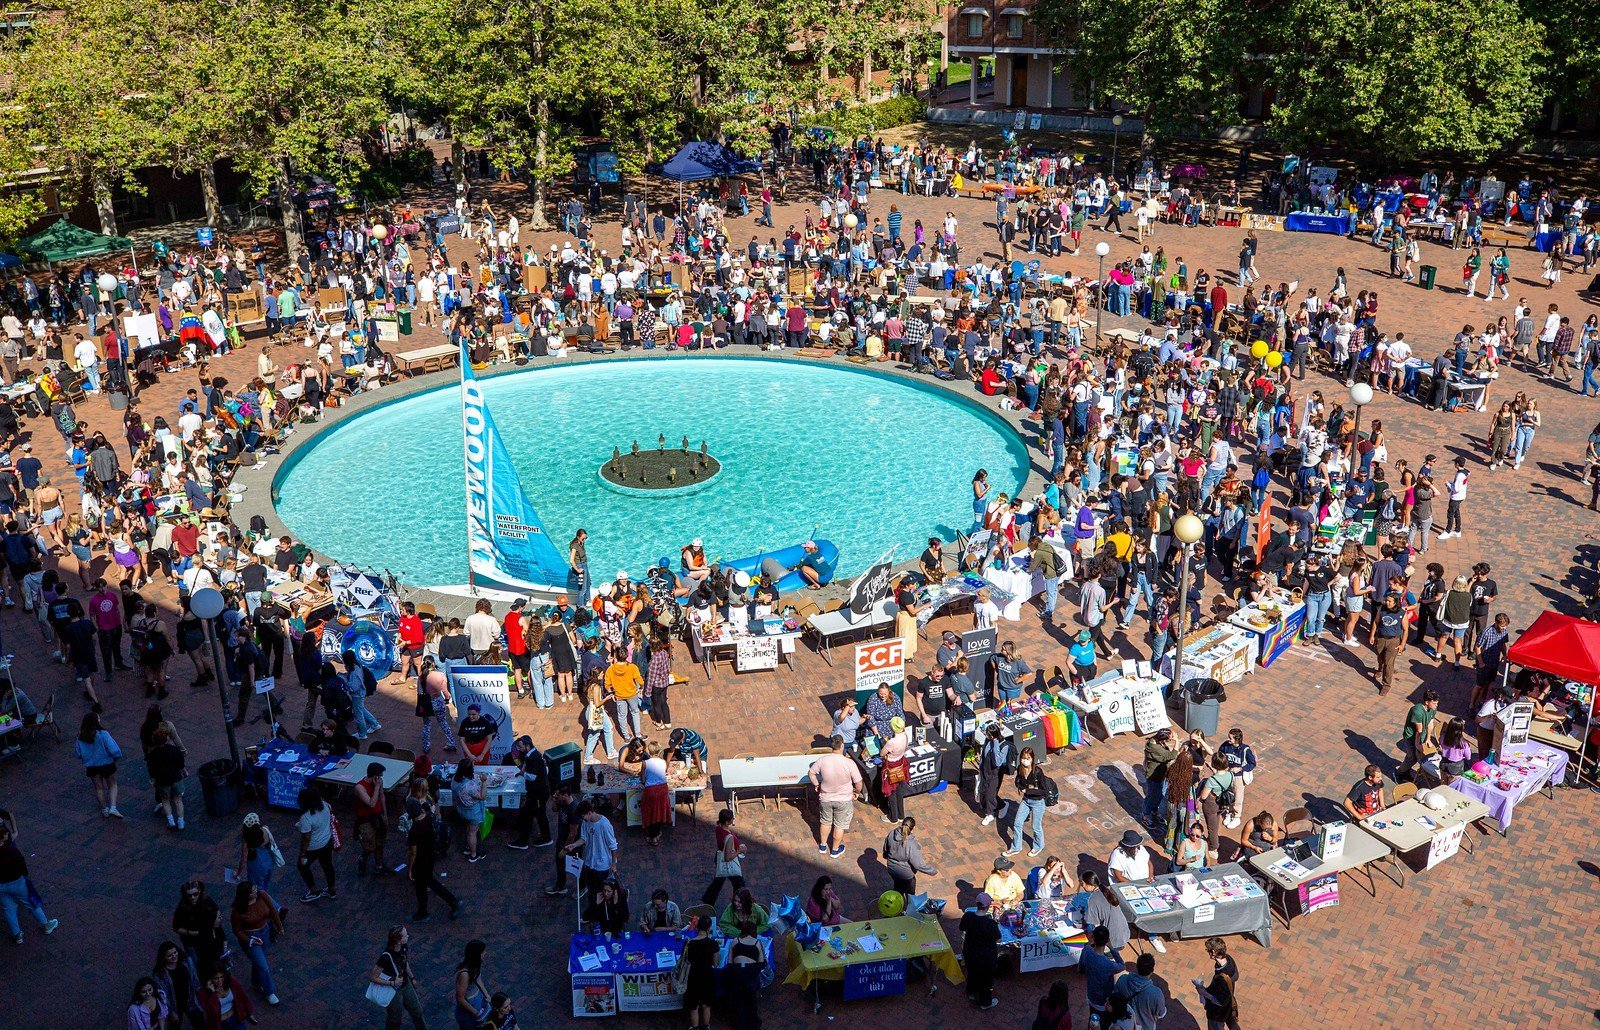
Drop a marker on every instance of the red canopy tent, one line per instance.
(1567, 647)
(1560, 645)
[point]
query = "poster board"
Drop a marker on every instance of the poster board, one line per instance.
(647, 992)
(1117, 714)
(753, 654)
(487, 686)
(1149, 710)
(1445, 844)
(141, 330)
(1321, 892)
(594, 994)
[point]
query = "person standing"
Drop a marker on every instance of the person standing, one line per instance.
(1388, 639)
(1218, 995)
(1100, 969)
(1136, 999)
(392, 970)
(700, 955)
(99, 753)
(422, 843)
(1457, 493)
(372, 821)
(1032, 793)
(980, 949)
(995, 760)
(838, 782)
(471, 996)
(316, 844)
(15, 892)
(1242, 763)
(730, 854)
(1158, 755)
(597, 842)
(434, 705)
(1418, 736)
(535, 794)
(902, 853)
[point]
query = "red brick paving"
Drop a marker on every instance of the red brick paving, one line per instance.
(1506, 934)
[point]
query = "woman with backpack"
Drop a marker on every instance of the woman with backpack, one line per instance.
(1219, 996)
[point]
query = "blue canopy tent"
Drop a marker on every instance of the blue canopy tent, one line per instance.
(9, 261)
(702, 160)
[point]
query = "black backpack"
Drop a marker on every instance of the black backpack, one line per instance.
(1117, 1007)
(369, 681)
(1052, 793)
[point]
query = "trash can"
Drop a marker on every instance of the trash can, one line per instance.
(1429, 273)
(565, 764)
(1202, 705)
(219, 785)
(404, 315)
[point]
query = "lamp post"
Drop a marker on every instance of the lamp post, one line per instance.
(1116, 135)
(1188, 529)
(207, 604)
(1360, 396)
(1101, 249)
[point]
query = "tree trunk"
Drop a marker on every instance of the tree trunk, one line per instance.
(822, 61)
(293, 233)
(541, 163)
(102, 204)
(866, 75)
(208, 191)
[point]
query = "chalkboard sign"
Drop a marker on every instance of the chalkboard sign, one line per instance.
(875, 979)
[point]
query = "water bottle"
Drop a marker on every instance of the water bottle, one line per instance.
(1490, 759)
(1094, 1021)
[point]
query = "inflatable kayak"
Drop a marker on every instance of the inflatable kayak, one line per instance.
(790, 558)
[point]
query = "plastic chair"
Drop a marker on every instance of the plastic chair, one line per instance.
(1297, 815)
(380, 747)
(403, 754)
(1403, 791)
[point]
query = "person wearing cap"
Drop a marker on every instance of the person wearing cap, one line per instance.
(1082, 654)
(980, 950)
(895, 771)
(1004, 885)
(949, 650)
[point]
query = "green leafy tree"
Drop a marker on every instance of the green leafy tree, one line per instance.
(1406, 79)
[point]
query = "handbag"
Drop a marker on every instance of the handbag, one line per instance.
(272, 849)
(680, 976)
(380, 994)
(338, 838)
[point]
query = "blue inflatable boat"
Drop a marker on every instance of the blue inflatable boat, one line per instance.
(790, 558)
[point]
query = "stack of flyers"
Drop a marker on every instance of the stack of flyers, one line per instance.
(1140, 907)
(1158, 904)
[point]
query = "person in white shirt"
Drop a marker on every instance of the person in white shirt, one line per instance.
(985, 613)
(1458, 495)
(1130, 861)
(189, 423)
(482, 629)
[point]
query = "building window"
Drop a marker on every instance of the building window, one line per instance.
(1013, 26)
(974, 26)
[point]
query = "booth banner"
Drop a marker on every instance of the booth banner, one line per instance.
(594, 994)
(1263, 223)
(1043, 953)
(875, 979)
(869, 589)
(1117, 714)
(647, 992)
(1445, 844)
(878, 663)
(488, 687)
(1322, 892)
(755, 653)
(978, 645)
(1149, 710)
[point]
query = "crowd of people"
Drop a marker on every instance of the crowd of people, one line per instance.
(1206, 411)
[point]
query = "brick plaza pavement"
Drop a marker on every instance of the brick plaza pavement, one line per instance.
(1506, 934)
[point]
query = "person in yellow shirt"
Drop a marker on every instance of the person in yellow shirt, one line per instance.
(1004, 885)
(624, 683)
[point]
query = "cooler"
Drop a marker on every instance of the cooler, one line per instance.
(566, 765)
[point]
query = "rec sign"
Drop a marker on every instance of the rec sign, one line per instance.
(877, 663)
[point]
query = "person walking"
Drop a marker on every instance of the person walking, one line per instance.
(902, 854)
(838, 782)
(471, 996)
(1242, 763)
(1032, 793)
(422, 844)
(391, 973)
(433, 705)
(729, 867)
(99, 753)
(1136, 999)
(1387, 639)
(700, 956)
(372, 821)
(995, 759)
(980, 950)
(16, 891)
(1218, 995)
(1158, 755)
(256, 924)
(1419, 735)
(316, 844)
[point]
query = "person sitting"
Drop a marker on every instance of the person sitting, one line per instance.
(1265, 835)
(1366, 797)
(662, 914)
(1004, 885)
(1191, 853)
(332, 739)
(824, 905)
(1051, 880)
(477, 732)
(694, 564)
(743, 907)
(608, 912)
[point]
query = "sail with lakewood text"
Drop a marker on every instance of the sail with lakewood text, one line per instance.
(508, 547)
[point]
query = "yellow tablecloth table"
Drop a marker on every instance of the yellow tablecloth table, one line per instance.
(924, 939)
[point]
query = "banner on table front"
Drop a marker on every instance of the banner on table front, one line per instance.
(1043, 953)
(594, 994)
(488, 687)
(508, 548)
(875, 979)
(1322, 892)
(647, 992)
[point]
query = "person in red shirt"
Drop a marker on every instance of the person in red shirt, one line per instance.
(186, 542)
(517, 645)
(412, 637)
(1219, 304)
(105, 608)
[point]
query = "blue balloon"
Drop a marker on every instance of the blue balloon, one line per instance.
(916, 903)
(787, 910)
(373, 647)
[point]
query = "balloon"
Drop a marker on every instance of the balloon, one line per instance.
(1258, 350)
(1274, 359)
(917, 902)
(788, 910)
(373, 647)
(891, 904)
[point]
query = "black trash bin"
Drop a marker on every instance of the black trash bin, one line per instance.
(1202, 705)
(219, 785)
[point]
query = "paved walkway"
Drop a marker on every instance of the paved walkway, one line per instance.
(1506, 934)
